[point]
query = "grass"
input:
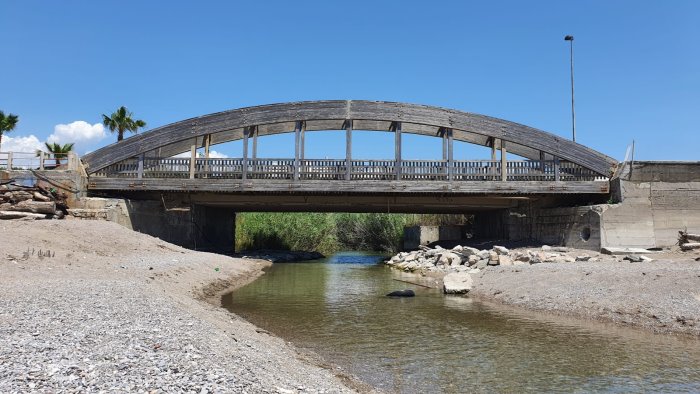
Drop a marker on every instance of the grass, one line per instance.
(330, 232)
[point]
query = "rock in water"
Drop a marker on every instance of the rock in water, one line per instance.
(457, 283)
(402, 293)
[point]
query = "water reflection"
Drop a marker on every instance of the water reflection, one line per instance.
(437, 343)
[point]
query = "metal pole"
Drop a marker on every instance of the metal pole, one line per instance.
(573, 111)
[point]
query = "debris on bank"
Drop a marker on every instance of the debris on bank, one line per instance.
(30, 203)
(279, 256)
(688, 241)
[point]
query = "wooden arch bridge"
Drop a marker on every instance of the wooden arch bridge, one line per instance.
(551, 164)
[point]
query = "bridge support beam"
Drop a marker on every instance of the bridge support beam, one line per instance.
(450, 155)
(297, 148)
(397, 150)
(504, 162)
(303, 134)
(244, 170)
(193, 160)
(348, 149)
(255, 143)
(139, 171)
(492, 167)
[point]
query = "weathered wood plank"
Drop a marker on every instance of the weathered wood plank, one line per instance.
(365, 186)
(348, 109)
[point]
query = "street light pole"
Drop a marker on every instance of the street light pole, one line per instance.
(573, 111)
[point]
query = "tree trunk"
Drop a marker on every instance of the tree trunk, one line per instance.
(5, 215)
(690, 246)
(48, 207)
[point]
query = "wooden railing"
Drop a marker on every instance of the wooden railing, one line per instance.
(35, 161)
(331, 169)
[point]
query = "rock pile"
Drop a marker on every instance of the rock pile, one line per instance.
(468, 259)
(30, 203)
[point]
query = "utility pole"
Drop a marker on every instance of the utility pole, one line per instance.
(573, 111)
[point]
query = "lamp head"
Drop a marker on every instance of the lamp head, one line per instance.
(569, 38)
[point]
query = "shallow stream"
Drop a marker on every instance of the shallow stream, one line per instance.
(434, 343)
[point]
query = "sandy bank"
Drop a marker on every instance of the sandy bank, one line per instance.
(88, 305)
(662, 296)
(660, 292)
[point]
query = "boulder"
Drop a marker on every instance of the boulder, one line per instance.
(457, 249)
(481, 264)
(402, 293)
(546, 248)
(473, 259)
(536, 258)
(501, 250)
(523, 258)
(410, 257)
(468, 251)
(551, 257)
(504, 260)
(457, 283)
(493, 256)
(633, 258)
(450, 259)
(483, 254)
(583, 258)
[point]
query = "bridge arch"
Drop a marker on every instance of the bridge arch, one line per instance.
(221, 127)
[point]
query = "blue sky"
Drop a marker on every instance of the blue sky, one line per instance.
(637, 67)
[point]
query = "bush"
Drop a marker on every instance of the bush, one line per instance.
(328, 233)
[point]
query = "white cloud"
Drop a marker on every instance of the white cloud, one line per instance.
(78, 132)
(21, 144)
(212, 155)
(216, 155)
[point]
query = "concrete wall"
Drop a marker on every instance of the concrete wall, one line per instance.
(194, 227)
(424, 235)
(654, 200)
(650, 214)
(577, 227)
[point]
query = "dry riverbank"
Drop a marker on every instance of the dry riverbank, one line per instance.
(660, 293)
(89, 305)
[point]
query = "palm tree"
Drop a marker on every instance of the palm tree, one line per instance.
(59, 151)
(121, 121)
(7, 123)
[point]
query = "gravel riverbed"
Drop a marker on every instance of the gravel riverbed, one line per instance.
(91, 306)
(657, 291)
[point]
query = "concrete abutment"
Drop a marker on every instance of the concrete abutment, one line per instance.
(191, 226)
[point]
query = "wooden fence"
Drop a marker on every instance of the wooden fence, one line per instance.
(331, 169)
